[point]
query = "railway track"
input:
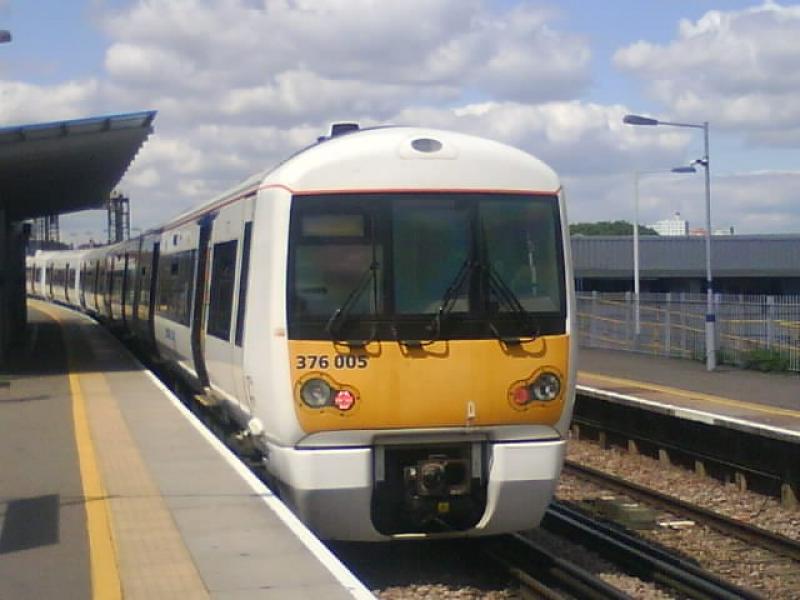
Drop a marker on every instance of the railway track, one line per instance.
(544, 575)
(641, 559)
(751, 534)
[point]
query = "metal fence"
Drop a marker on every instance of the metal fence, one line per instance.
(752, 331)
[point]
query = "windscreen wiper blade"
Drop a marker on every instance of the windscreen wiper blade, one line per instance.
(339, 316)
(446, 305)
(505, 293)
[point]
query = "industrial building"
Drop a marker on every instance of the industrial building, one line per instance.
(740, 264)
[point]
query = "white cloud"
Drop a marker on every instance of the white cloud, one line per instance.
(576, 138)
(416, 43)
(241, 84)
(740, 69)
(26, 103)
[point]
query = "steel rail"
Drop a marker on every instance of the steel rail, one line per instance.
(639, 558)
(763, 538)
(547, 576)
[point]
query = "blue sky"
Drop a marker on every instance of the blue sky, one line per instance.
(567, 71)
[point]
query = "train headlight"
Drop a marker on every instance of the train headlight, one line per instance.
(316, 393)
(545, 387)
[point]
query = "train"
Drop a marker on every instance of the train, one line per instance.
(387, 317)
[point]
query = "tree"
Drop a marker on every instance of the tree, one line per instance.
(608, 228)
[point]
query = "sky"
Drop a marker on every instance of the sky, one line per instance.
(241, 84)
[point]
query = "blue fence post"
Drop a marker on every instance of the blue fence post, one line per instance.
(770, 316)
(629, 333)
(721, 321)
(668, 326)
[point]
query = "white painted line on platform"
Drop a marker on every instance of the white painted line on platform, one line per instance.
(315, 546)
(696, 415)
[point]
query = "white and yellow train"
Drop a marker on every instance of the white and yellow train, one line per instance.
(387, 315)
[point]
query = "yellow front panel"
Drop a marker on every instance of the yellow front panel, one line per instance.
(447, 384)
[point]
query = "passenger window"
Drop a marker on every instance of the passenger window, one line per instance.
(175, 285)
(220, 306)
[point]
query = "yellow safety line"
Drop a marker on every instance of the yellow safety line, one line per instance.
(691, 395)
(102, 553)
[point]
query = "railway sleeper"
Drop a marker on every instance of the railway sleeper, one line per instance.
(785, 487)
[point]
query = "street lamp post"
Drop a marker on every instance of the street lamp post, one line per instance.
(711, 339)
(636, 273)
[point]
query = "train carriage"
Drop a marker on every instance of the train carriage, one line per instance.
(387, 315)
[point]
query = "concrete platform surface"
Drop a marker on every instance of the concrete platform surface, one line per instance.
(766, 402)
(110, 487)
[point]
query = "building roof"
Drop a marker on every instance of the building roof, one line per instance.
(685, 256)
(65, 166)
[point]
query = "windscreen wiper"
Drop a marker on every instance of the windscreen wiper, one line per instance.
(446, 305)
(339, 316)
(506, 294)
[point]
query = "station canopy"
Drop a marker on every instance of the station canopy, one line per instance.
(66, 166)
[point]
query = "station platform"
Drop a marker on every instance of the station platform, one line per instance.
(767, 404)
(110, 488)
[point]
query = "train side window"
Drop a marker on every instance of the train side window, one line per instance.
(175, 284)
(88, 279)
(130, 281)
(223, 278)
(240, 307)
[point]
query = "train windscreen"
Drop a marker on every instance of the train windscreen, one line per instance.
(425, 266)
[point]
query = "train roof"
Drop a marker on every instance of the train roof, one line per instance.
(367, 159)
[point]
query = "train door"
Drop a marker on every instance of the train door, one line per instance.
(132, 284)
(175, 296)
(198, 309)
(219, 318)
(126, 285)
(99, 273)
(242, 386)
(82, 286)
(147, 266)
(104, 287)
(67, 271)
(116, 292)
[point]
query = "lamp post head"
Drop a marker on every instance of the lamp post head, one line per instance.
(5, 36)
(638, 120)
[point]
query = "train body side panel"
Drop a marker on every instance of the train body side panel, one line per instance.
(266, 373)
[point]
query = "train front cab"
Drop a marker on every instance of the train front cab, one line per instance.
(430, 361)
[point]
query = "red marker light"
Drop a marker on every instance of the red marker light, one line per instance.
(521, 395)
(344, 400)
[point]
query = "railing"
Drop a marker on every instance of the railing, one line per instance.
(752, 331)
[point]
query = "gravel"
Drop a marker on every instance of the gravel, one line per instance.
(753, 568)
(434, 570)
